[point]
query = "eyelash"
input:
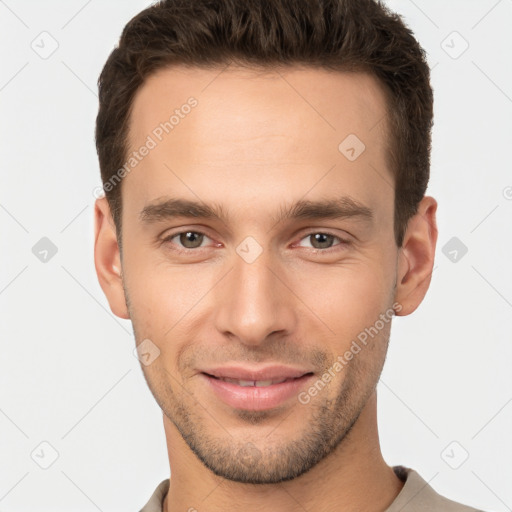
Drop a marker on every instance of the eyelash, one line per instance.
(342, 242)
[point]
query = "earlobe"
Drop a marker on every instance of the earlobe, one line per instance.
(416, 257)
(107, 259)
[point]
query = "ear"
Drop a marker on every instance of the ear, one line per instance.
(107, 258)
(416, 257)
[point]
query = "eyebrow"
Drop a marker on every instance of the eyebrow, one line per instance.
(342, 207)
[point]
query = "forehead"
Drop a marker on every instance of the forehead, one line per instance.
(258, 133)
(336, 100)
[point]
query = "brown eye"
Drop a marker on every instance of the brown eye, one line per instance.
(191, 239)
(321, 240)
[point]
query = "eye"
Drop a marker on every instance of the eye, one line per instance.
(187, 239)
(321, 240)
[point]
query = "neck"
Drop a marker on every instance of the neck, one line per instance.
(338, 482)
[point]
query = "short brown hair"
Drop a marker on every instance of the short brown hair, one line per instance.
(344, 35)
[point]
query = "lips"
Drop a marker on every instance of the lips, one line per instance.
(274, 372)
(252, 388)
(257, 383)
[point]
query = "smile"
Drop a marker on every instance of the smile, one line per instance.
(255, 389)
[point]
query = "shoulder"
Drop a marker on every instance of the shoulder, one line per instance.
(155, 503)
(418, 496)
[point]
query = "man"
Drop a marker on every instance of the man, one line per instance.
(265, 166)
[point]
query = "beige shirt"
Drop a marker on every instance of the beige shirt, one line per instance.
(416, 496)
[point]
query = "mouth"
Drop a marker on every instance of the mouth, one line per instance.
(256, 389)
(255, 383)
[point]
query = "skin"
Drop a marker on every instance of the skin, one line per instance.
(255, 144)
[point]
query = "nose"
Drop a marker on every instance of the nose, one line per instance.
(254, 302)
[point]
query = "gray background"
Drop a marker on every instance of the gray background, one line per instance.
(68, 376)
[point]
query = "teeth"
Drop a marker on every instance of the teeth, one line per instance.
(263, 383)
(256, 383)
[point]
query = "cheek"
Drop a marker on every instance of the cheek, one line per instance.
(163, 298)
(347, 298)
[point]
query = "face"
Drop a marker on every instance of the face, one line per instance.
(259, 266)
